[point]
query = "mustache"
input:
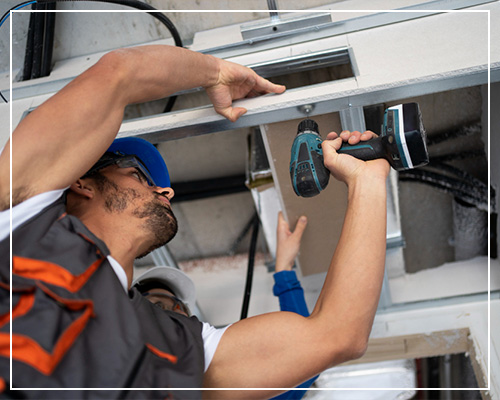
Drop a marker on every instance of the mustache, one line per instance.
(164, 195)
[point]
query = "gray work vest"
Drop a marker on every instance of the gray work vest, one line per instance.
(75, 327)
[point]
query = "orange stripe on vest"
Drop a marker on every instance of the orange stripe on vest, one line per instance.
(27, 350)
(22, 307)
(162, 354)
(52, 273)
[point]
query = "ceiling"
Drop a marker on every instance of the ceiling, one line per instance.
(213, 237)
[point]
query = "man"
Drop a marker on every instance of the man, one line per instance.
(172, 290)
(168, 288)
(73, 324)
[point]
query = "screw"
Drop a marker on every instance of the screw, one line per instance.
(306, 108)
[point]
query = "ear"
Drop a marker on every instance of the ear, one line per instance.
(82, 188)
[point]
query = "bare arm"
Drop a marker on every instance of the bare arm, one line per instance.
(284, 349)
(62, 138)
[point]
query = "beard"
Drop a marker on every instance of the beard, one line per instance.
(159, 221)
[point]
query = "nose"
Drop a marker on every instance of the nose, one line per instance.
(167, 191)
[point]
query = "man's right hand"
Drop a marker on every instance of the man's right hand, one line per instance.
(235, 82)
(347, 168)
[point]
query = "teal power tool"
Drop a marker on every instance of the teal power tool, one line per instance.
(402, 143)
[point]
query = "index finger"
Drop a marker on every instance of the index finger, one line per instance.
(262, 85)
(332, 135)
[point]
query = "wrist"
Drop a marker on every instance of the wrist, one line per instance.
(212, 71)
(367, 186)
(283, 266)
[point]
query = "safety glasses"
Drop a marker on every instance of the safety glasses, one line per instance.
(167, 302)
(133, 162)
(122, 161)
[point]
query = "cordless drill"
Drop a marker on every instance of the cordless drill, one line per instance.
(402, 143)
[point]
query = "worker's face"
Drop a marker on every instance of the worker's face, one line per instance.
(125, 191)
(166, 301)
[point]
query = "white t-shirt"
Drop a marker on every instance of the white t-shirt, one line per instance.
(31, 207)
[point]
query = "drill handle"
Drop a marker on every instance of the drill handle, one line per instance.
(369, 150)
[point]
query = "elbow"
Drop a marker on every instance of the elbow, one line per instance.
(352, 348)
(117, 66)
(113, 64)
(358, 349)
(114, 72)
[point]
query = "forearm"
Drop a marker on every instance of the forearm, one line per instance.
(72, 129)
(349, 298)
(157, 71)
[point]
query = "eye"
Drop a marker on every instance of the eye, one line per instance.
(160, 304)
(139, 176)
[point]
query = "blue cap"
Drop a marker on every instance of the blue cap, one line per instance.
(148, 155)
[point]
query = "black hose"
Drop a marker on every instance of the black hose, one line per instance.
(140, 6)
(28, 53)
(251, 263)
(48, 40)
(459, 156)
(467, 130)
(151, 10)
(170, 104)
(38, 42)
(476, 196)
(241, 236)
(46, 59)
(459, 173)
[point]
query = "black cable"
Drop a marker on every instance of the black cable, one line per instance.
(462, 190)
(170, 104)
(28, 53)
(241, 236)
(16, 7)
(48, 40)
(138, 5)
(38, 42)
(459, 173)
(128, 3)
(467, 130)
(459, 156)
(250, 268)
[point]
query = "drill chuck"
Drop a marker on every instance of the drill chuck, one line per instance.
(308, 125)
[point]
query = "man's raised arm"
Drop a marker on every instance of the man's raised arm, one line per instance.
(60, 140)
(283, 349)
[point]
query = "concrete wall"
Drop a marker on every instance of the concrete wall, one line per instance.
(85, 33)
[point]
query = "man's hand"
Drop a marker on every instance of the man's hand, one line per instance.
(236, 82)
(288, 243)
(347, 168)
